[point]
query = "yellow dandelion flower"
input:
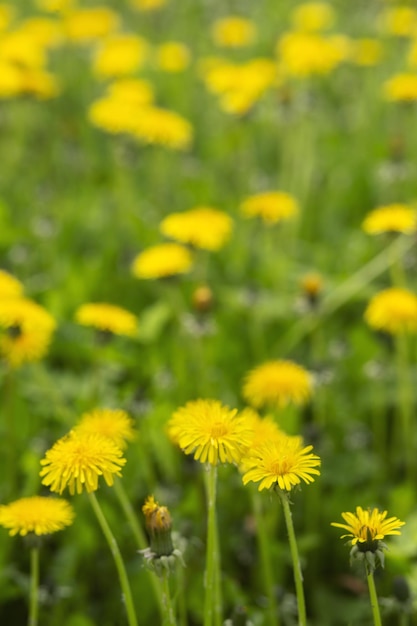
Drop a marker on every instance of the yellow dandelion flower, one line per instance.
(10, 287)
(38, 83)
(88, 25)
(312, 285)
(107, 318)
(368, 525)
(163, 127)
(78, 460)
(137, 91)
(277, 383)
(234, 32)
(166, 259)
(201, 227)
(7, 13)
(282, 462)
(27, 332)
(119, 55)
(114, 424)
(399, 21)
(18, 48)
(313, 16)
(157, 518)
(10, 80)
(393, 310)
(271, 206)
(172, 56)
(366, 52)
(211, 431)
(38, 515)
(148, 5)
(305, 54)
(392, 218)
(401, 88)
(46, 32)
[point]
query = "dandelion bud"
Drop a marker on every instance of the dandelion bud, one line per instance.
(158, 523)
(312, 286)
(202, 299)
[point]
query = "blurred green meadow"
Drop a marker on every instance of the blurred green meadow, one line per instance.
(82, 194)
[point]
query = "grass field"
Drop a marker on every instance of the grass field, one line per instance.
(113, 117)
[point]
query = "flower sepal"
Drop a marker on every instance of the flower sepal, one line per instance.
(166, 562)
(373, 556)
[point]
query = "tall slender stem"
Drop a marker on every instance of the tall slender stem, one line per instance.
(168, 615)
(212, 601)
(373, 597)
(405, 401)
(34, 587)
(298, 577)
(114, 549)
(138, 533)
(266, 564)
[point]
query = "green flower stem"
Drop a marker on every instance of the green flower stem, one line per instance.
(264, 543)
(298, 577)
(139, 535)
(212, 601)
(339, 296)
(373, 597)
(405, 400)
(168, 618)
(114, 549)
(34, 587)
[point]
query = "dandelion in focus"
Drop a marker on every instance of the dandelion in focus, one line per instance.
(271, 207)
(277, 384)
(393, 310)
(161, 261)
(201, 227)
(393, 218)
(107, 318)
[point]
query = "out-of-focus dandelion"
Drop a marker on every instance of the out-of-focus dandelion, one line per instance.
(163, 260)
(107, 318)
(308, 54)
(114, 424)
(234, 32)
(10, 287)
(401, 88)
(82, 26)
(393, 310)
(365, 530)
(172, 56)
(366, 52)
(201, 227)
(399, 21)
(271, 206)
(148, 5)
(313, 16)
(120, 55)
(77, 461)
(277, 384)
(34, 517)
(392, 218)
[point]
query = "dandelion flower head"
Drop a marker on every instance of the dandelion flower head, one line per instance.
(10, 287)
(77, 461)
(157, 517)
(37, 514)
(401, 88)
(165, 259)
(393, 218)
(234, 32)
(201, 227)
(27, 328)
(271, 206)
(90, 24)
(368, 525)
(366, 51)
(172, 56)
(163, 127)
(303, 54)
(313, 16)
(113, 424)
(399, 21)
(107, 318)
(393, 310)
(120, 55)
(282, 462)
(277, 384)
(211, 431)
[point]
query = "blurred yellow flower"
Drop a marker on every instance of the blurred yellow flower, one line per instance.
(117, 111)
(234, 32)
(399, 21)
(282, 462)
(313, 16)
(401, 87)
(201, 227)
(88, 25)
(27, 331)
(44, 31)
(271, 206)
(108, 318)
(312, 285)
(366, 52)
(19, 48)
(163, 127)
(10, 80)
(368, 525)
(78, 460)
(148, 5)
(393, 310)
(277, 384)
(172, 56)
(10, 287)
(119, 55)
(304, 54)
(392, 218)
(7, 13)
(134, 90)
(262, 429)
(211, 431)
(38, 83)
(114, 424)
(165, 259)
(37, 515)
